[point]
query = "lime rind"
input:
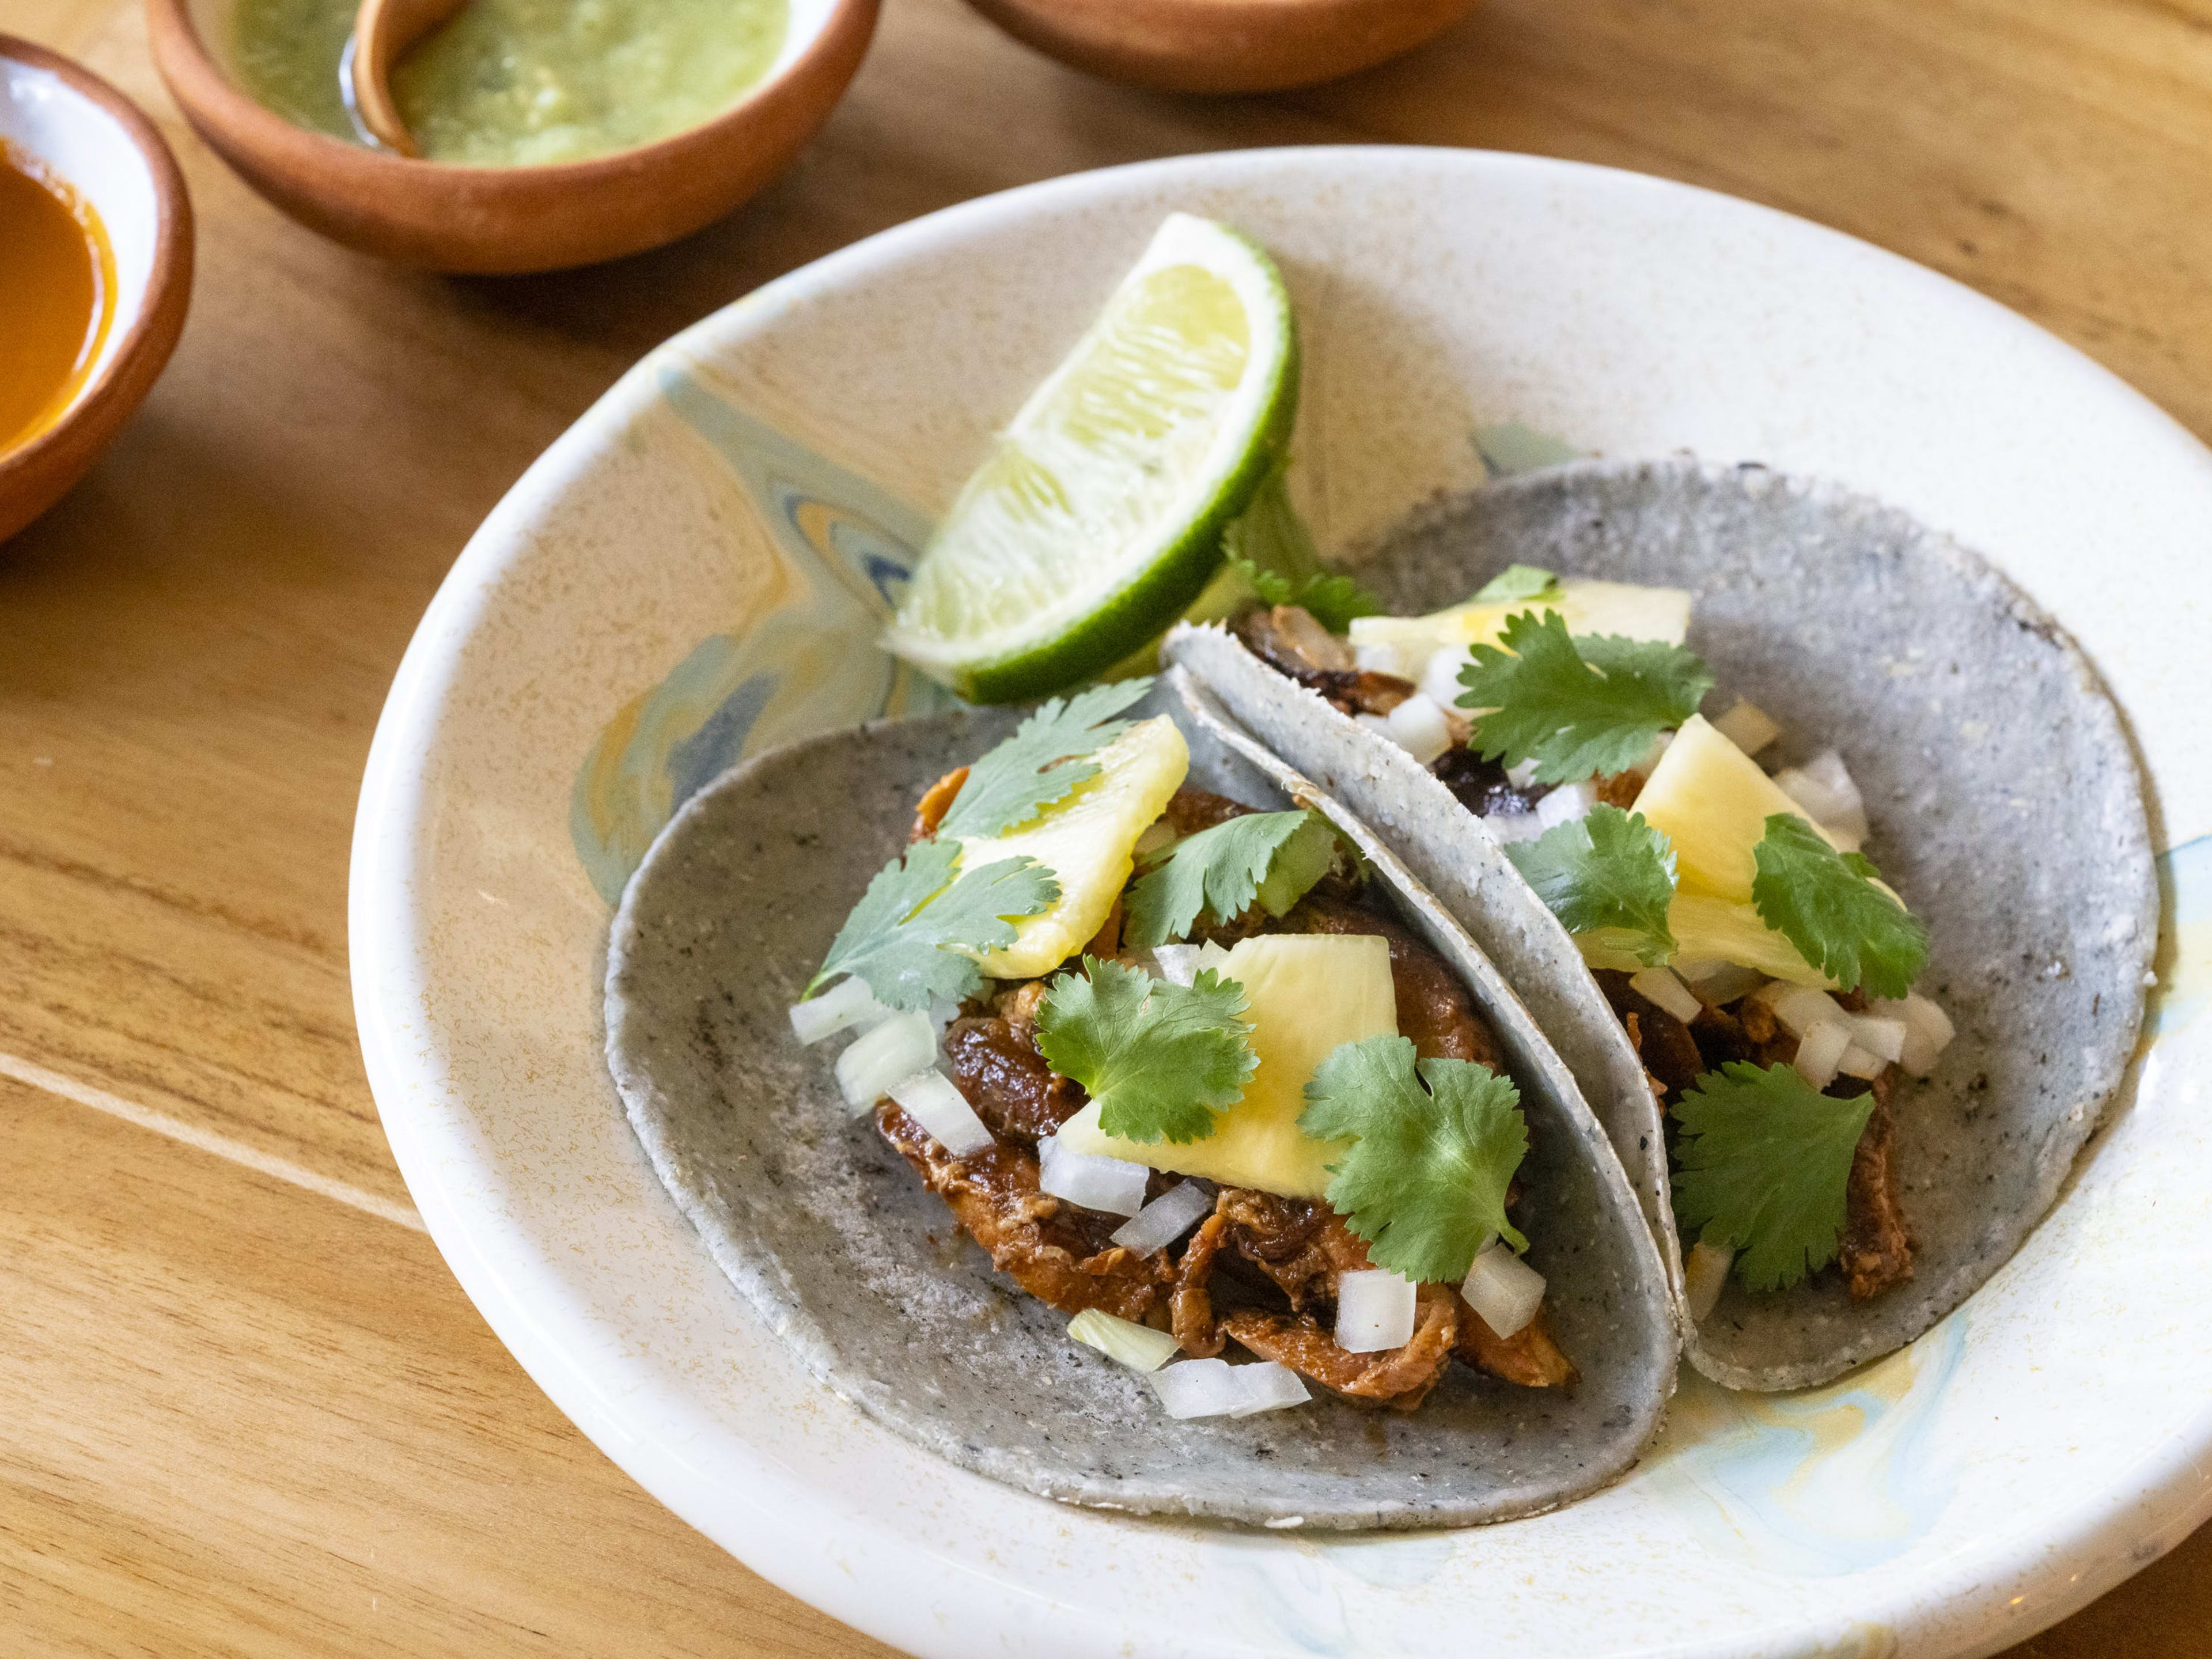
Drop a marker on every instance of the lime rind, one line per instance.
(1098, 515)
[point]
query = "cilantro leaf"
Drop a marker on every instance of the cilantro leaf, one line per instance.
(1160, 1060)
(1222, 871)
(1609, 872)
(1332, 599)
(1424, 1182)
(1019, 778)
(910, 935)
(1518, 582)
(1827, 905)
(1577, 708)
(1274, 552)
(1764, 1167)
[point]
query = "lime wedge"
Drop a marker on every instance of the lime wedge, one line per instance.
(1098, 514)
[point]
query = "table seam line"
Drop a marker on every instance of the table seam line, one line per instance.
(206, 1141)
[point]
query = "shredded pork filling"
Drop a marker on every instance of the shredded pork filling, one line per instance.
(1261, 1270)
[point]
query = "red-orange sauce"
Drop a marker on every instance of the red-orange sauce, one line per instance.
(57, 293)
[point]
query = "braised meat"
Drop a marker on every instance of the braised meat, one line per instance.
(1190, 810)
(1054, 1251)
(1020, 1097)
(1481, 786)
(1877, 1252)
(936, 801)
(1663, 1043)
(1400, 1378)
(1529, 1357)
(1434, 1009)
(1289, 640)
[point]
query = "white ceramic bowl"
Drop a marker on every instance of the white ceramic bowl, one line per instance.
(697, 570)
(86, 134)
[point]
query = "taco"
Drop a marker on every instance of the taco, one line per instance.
(1814, 846)
(1238, 1117)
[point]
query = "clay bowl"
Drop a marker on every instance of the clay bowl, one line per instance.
(503, 220)
(94, 139)
(1223, 46)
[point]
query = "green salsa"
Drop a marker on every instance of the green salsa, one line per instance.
(518, 82)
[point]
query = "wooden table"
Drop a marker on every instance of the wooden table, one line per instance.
(243, 1407)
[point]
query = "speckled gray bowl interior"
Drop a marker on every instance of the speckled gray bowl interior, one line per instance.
(2005, 803)
(824, 1227)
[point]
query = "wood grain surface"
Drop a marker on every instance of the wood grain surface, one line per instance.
(243, 1407)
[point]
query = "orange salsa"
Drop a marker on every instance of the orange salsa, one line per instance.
(57, 292)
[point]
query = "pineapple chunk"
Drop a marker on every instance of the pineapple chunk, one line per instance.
(1088, 841)
(1588, 607)
(1711, 799)
(1308, 993)
(1709, 929)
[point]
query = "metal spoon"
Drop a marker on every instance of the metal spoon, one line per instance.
(382, 32)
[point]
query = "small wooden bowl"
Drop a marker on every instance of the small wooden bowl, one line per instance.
(506, 219)
(95, 140)
(1223, 46)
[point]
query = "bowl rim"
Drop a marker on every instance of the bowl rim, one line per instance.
(208, 94)
(139, 356)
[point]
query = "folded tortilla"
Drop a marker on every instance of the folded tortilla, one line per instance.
(2006, 805)
(864, 1274)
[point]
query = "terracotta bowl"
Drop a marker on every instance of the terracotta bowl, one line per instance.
(1223, 46)
(94, 140)
(501, 220)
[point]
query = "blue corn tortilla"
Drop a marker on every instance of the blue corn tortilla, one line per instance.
(2005, 799)
(863, 1274)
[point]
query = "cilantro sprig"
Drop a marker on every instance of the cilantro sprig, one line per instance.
(1270, 858)
(1271, 549)
(1764, 1168)
(1519, 582)
(1424, 1182)
(1042, 763)
(1827, 905)
(1608, 874)
(1577, 708)
(1160, 1060)
(911, 935)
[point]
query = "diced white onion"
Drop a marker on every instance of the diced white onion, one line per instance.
(1198, 1388)
(1139, 1347)
(1703, 1276)
(943, 1010)
(901, 1046)
(1799, 1008)
(1513, 826)
(1374, 1310)
(1748, 728)
(1503, 1289)
(1823, 786)
(1378, 724)
(1880, 1034)
(1857, 1062)
(1418, 726)
(844, 1005)
(1440, 676)
(1111, 1184)
(1378, 657)
(931, 1099)
(1927, 1031)
(1164, 1220)
(1820, 1051)
(1565, 803)
(1181, 964)
(1658, 986)
(1267, 1387)
(1717, 982)
(1522, 773)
